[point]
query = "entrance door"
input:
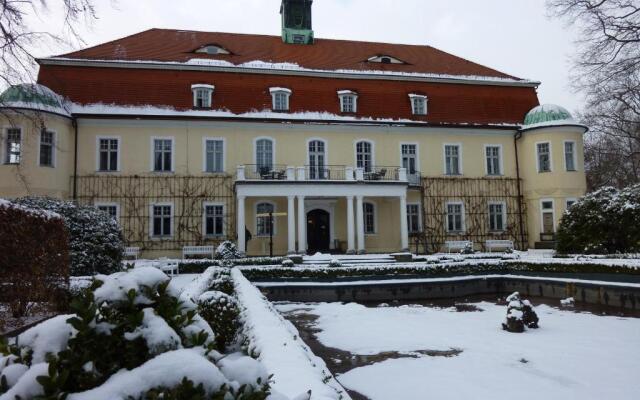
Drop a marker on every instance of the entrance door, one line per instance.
(547, 222)
(318, 233)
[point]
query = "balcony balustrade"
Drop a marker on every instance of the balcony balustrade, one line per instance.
(313, 173)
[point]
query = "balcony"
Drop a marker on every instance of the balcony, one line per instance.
(328, 173)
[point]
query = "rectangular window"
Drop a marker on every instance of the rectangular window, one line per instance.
(369, 218)
(409, 158)
(264, 225)
(214, 153)
(46, 148)
(570, 156)
(110, 209)
(161, 220)
(13, 146)
(280, 101)
(455, 217)
(162, 155)
(413, 218)
(213, 220)
(570, 202)
(108, 154)
(452, 159)
(203, 98)
(497, 216)
(419, 105)
(492, 154)
(544, 157)
(348, 103)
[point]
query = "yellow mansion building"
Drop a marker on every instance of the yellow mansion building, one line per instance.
(191, 138)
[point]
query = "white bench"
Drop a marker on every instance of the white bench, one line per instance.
(132, 252)
(169, 267)
(498, 244)
(458, 245)
(197, 251)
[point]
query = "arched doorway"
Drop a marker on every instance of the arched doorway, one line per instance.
(318, 231)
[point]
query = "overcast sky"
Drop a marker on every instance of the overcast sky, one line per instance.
(513, 36)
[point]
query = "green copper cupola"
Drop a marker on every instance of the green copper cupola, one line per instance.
(296, 21)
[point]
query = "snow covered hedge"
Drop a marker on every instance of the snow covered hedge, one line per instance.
(606, 221)
(95, 239)
(34, 258)
(130, 337)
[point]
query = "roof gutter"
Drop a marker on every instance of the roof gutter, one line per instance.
(416, 77)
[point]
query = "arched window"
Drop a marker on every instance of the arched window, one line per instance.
(202, 95)
(280, 99)
(264, 155)
(317, 157)
(364, 156)
(369, 210)
(264, 225)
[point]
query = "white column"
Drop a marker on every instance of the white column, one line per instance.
(360, 224)
(291, 225)
(404, 231)
(302, 227)
(242, 240)
(350, 228)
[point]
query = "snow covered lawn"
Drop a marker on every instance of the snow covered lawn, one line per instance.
(572, 355)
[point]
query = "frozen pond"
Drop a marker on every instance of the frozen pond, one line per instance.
(448, 352)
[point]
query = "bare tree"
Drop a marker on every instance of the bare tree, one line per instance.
(607, 70)
(20, 38)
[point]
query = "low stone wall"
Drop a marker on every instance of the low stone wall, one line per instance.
(589, 292)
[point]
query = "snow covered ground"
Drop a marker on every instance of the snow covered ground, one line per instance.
(572, 355)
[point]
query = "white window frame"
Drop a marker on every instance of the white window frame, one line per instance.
(425, 109)
(463, 221)
(569, 199)
(348, 93)
(209, 90)
(375, 218)
(575, 156)
(53, 148)
(173, 154)
(537, 153)
(326, 152)
(109, 204)
(417, 145)
(500, 160)
(171, 220)
(5, 139)
(275, 220)
(553, 211)
(204, 154)
(119, 153)
(255, 149)
(373, 152)
(444, 158)
(278, 90)
(204, 219)
(419, 217)
(504, 215)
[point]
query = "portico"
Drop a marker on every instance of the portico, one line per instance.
(338, 207)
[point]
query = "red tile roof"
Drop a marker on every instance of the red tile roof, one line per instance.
(242, 91)
(179, 46)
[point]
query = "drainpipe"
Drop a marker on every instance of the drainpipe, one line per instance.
(517, 136)
(75, 160)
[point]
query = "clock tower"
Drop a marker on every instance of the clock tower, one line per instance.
(296, 21)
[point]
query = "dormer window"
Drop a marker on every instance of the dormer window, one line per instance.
(202, 95)
(418, 104)
(385, 59)
(280, 98)
(212, 49)
(348, 101)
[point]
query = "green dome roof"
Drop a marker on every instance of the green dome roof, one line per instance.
(547, 113)
(31, 94)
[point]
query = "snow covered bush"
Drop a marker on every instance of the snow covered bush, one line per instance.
(220, 310)
(34, 258)
(130, 337)
(227, 250)
(334, 263)
(606, 221)
(287, 263)
(95, 239)
(519, 314)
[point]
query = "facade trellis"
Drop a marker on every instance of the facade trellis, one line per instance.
(135, 196)
(475, 194)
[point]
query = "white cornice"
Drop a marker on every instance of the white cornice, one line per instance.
(364, 75)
